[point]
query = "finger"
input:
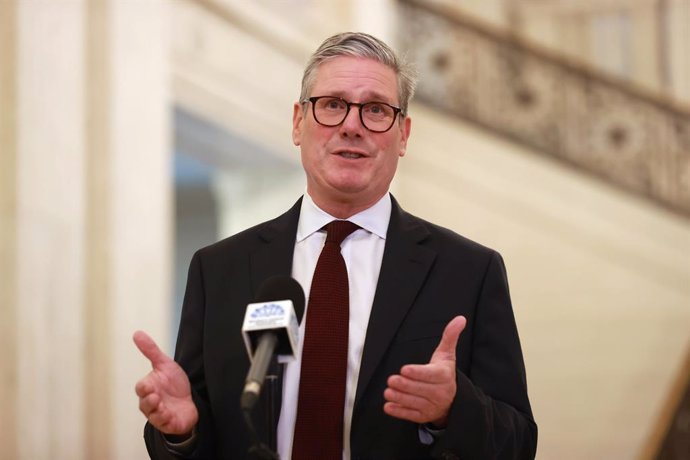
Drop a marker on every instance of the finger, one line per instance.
(446, 348)
(429, 373)
(148, 348)
(144, 387)
(150, 404)
(410, 401)
(420, 395)
(398, 411)
(161, 418)
(418, 380)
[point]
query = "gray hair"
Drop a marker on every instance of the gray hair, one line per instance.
(363, 45)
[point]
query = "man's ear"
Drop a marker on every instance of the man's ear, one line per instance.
(405, 129)
(297, 119)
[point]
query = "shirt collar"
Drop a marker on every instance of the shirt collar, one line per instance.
(373, 219)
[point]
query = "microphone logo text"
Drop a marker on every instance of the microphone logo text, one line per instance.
(267, 311)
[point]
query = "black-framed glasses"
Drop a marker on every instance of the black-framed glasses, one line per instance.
(331, 111)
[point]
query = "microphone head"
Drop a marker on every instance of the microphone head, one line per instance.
(277, 309)
(281, 287)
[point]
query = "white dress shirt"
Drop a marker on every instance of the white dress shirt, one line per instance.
(363, 253)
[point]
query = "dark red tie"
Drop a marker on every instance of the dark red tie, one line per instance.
(319, 425)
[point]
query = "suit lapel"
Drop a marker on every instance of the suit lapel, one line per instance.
(274, 257)
(404, 268)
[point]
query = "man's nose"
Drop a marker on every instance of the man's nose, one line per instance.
(352, 124)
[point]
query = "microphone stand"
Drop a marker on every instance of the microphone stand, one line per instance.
(269, 396)
(271, 387)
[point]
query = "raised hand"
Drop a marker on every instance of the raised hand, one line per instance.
(165, 396)
(423, 393)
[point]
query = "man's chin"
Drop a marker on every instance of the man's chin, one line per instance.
(351, 191)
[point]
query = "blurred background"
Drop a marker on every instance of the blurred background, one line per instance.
(134, 132)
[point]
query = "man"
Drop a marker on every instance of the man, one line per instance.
(433, 366)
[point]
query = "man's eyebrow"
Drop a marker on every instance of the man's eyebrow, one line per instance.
(369, 97)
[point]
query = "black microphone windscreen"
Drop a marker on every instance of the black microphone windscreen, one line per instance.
(282, 287)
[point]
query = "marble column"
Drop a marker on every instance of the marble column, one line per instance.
(8, 237)
(50, 211)
(85, 225)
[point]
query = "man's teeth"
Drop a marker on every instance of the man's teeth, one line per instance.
(350, 155)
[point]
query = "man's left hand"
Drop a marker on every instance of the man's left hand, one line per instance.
(423, 393)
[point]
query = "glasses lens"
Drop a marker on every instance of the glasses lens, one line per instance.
(330, 111)
(377, 116)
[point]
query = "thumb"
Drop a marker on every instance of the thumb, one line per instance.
(148, 348)
(445, 351)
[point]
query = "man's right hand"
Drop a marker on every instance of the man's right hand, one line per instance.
(165, 396)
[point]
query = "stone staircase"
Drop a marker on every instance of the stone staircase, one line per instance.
(603, 125)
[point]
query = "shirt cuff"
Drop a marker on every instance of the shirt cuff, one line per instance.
(427, 434)
(185, 447)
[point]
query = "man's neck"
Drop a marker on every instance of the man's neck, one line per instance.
(343, 209)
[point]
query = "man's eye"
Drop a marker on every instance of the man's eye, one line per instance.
(334, 104)
(375, 109)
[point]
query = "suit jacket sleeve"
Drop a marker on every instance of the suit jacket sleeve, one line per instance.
(189, 354)
(491, 416)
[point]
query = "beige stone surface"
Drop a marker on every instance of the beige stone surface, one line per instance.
(600, 280)
(85, 222)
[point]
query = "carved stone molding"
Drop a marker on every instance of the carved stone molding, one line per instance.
(589, 120)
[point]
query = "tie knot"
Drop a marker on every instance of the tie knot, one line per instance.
(338, 230)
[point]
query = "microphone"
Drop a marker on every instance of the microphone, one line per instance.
(271, 325)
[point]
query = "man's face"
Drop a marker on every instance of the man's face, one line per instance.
(348, 166)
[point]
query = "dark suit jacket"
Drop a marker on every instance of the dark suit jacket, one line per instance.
(428, 276)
